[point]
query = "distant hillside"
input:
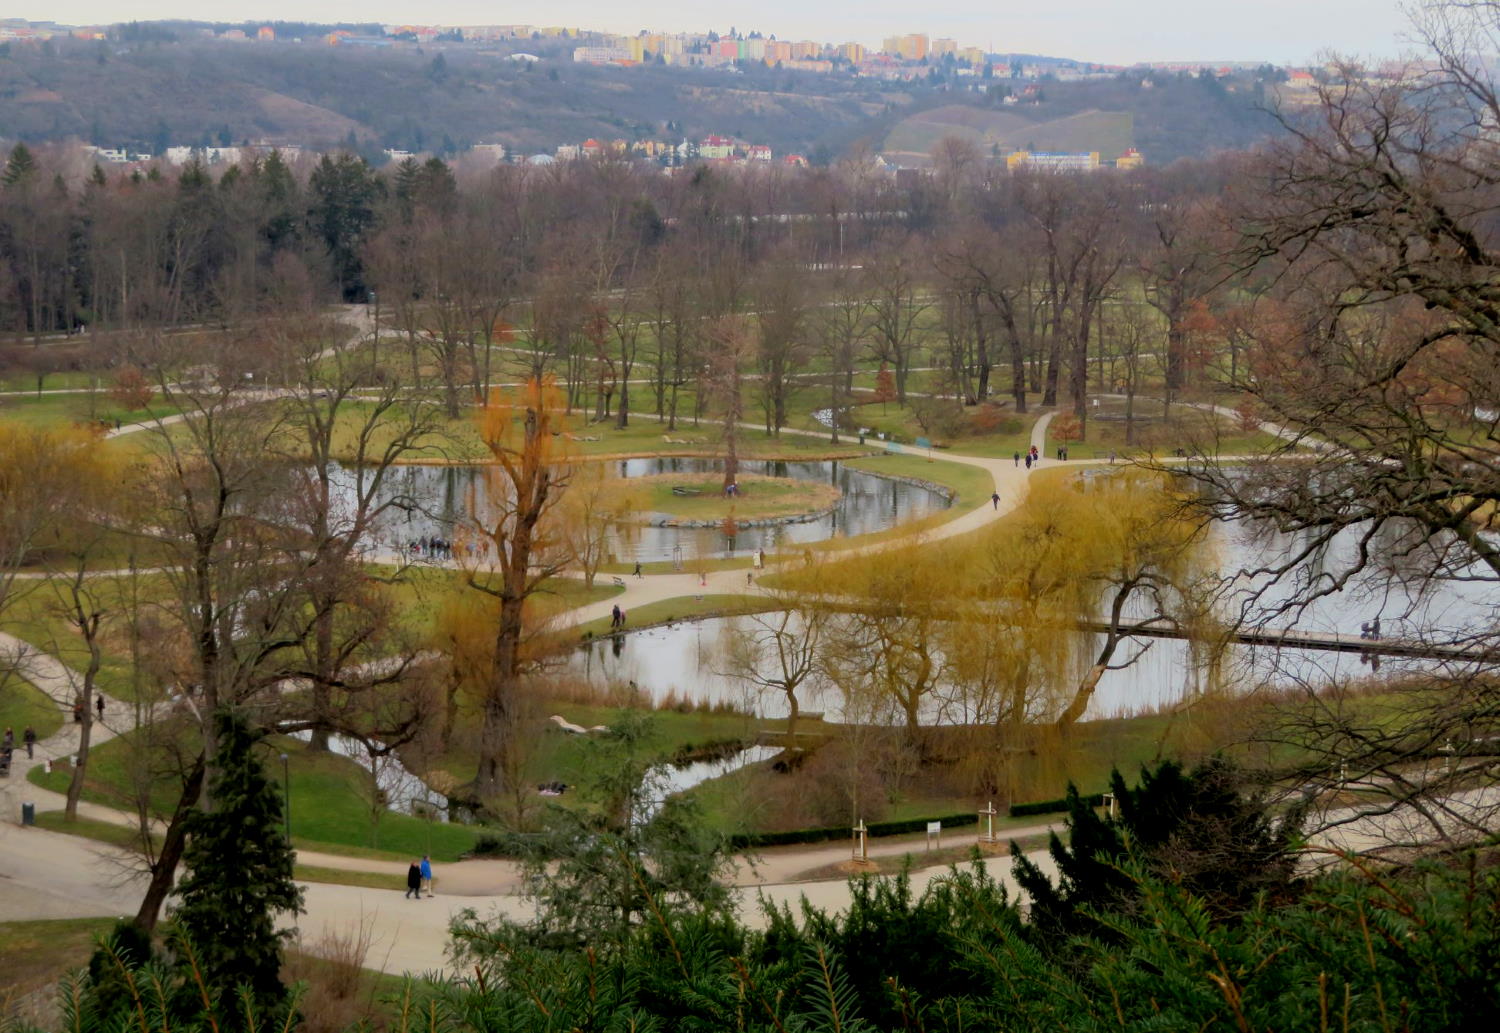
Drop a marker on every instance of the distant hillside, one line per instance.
(152, 95)
(158, 86)
(1173, 117)
(1000, 132)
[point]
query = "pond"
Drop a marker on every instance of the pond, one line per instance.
(687, 660)
(432, 500)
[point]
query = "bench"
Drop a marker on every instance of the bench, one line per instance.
(619, 582)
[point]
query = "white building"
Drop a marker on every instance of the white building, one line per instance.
(208, 155)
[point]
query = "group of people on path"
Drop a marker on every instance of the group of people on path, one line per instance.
(432, 547)
(419, 878)
(8, 745)
(28, 737)
(616, 619)
(1034, 455)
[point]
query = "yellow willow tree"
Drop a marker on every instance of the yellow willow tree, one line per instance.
(887, 652)
(1114, 550)
(525, 433)
(597, 502)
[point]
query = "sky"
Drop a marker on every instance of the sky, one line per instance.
(1110, 31)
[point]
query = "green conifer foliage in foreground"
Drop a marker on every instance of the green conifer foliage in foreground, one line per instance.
(240, 873)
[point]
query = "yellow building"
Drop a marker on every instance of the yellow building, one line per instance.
(854, 53)
(1131, 159)
(943, 47)
(914, 47)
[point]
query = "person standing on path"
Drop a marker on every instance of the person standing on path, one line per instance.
(1018, 459)
(995, 500)
(99, 705)
(30, 737)
(1028, 461)
(414, 881)
(427, 874)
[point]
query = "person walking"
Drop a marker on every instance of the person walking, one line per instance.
(995, 500)
(614, 618)
(1018, 459)
(414, 881)
(638, 570)
(99, 705)
(30, 737)
(426, 874)
(1028, 460)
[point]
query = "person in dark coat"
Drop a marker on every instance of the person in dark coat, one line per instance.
(30, 736)
(414, 881)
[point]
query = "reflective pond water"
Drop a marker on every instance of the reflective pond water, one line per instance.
(433, 500)
(688, 660)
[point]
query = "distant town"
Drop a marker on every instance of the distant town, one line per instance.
(1004, 79)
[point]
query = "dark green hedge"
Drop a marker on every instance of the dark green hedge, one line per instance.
(1020, 810)
(821, 835)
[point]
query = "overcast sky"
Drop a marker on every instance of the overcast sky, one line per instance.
(1115, 31)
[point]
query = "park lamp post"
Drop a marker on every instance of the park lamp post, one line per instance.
(286, 789)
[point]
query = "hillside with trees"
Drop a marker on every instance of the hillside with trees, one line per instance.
(148, 96)
(152, 88)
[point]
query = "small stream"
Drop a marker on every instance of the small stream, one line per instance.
(405, 793)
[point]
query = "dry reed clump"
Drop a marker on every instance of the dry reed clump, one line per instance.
(338, 994)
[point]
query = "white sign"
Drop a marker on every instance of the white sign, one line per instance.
(934, 828)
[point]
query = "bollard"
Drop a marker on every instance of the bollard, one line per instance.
(28, 814)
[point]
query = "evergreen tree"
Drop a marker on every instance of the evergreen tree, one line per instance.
(20, 167)
(343, 192)
(1195, 829)
(240, 866)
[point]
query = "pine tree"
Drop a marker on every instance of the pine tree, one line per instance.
(240, 866)
(19, 167)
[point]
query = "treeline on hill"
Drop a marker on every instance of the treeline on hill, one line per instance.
(155, 86)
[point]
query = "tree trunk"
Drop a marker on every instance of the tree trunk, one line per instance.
(164, 868)
(86, 728)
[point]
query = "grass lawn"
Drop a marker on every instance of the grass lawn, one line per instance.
(122, 836)
(329, 794)
(36, 954)
(458, 441)
(1195, 430)
(558, 756)
(758, 497)
(70, 409)
(971, 484)
(34, 616)
(22, 705)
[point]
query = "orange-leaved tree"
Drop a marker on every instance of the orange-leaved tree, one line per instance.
(526, 435)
